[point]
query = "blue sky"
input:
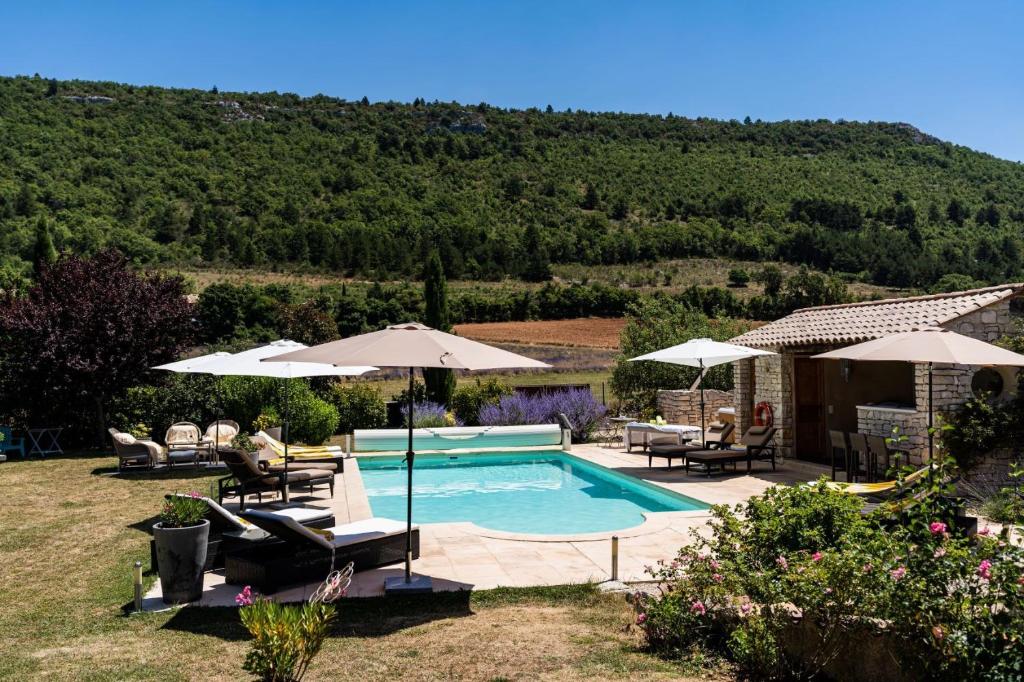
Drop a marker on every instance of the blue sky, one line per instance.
(954, 69)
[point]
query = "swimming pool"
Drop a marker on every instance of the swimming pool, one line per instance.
(542, 492)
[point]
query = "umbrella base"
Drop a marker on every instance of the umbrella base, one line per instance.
(420, 584)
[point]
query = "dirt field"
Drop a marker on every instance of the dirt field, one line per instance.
(585, 332)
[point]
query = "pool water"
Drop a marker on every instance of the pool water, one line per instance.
(549, 493)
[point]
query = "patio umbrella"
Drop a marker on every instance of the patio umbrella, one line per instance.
(248, 363)
(702, 353)
(928, 345)
(197, 365)
(410, 345)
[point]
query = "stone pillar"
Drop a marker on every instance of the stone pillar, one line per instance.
(743, 393)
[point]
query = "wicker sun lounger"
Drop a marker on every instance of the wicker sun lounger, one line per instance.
(756, 442)
(307, 556)
(230, 533)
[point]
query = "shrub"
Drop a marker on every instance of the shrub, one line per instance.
(313, 420)
(578, 405)
(428, 415)
(267, 419)
(468, 400)
(974, 431)
(738, 277)
(360, 406)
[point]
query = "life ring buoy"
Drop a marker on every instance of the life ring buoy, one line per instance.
(763, 415)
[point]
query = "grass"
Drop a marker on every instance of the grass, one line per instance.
(70, 536)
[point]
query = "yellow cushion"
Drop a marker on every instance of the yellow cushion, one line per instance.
(327, 535)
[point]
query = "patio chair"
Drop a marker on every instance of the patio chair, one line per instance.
(879, 451)
(248, 479)
(185, 443)
(229, 532)
(307, 555)
(756, 444)
(221, 432)
(717, 435)
(134, 452)
(8, 443)
(859, 465)
(840, 452)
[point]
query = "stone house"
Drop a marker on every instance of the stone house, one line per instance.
(809, 397)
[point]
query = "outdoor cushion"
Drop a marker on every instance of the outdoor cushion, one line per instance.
(340, 536)
(225, 433)
(124, 438)
(302, 515)
(299, 466)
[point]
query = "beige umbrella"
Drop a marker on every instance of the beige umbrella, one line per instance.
(410, 345)
(928, 345)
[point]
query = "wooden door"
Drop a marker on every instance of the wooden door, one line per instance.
(809, 414)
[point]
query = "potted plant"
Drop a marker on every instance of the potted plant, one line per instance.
(244, 443)
(181, 538)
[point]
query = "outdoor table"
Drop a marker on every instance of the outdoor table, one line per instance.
(640, 433)
(45, 441)
(616, 427)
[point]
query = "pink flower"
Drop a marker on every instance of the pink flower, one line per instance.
(868, 568)
(782, 563)
(937, 528)
(817, 556)
(244, 598)
(1020, 580)
(698, 608)
(828, 590)
(898, 573)
(715, 565)
(985, 569)
(641, 619)
(746, 607)
(985, 531)
(717, 577)
(939, 553)
(194, 495)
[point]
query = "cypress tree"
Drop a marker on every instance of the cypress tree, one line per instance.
(440, 383)
(43, 253)
(538, 267)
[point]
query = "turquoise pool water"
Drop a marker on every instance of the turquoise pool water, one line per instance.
(549, 493)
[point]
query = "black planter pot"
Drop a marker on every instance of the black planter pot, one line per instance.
(274, 432)
(181, 555)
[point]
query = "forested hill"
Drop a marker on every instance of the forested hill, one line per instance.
(365, 188)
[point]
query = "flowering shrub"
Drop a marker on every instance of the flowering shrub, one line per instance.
(429, 415)
(182, 511)
(287, 637)
(578, 405)
(954, 605)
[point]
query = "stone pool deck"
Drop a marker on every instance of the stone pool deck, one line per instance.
(465, 556)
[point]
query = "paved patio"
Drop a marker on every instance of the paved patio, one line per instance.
(465, 556)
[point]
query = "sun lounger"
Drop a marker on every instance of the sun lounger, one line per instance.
(302, 454)
(882, 489)
(230, 532)
(645, 435)
(756, 442)
(715, 438)
(248, 479)
(307, 556)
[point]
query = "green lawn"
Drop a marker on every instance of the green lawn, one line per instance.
(69, 539)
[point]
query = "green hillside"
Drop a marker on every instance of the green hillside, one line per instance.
(273, 180)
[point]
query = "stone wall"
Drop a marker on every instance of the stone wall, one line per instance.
(683, 406)
(773, 384)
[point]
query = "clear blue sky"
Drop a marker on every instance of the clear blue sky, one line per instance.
(954, 69)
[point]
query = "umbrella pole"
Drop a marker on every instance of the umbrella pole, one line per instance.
(284, 434)
(409, 455)
(703, 433)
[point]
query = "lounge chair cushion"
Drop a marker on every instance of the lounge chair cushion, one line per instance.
(340, 536)
(222, 434)
(124, 438)
(300, 466)
(301, 515)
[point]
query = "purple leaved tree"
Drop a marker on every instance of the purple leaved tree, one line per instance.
(87, 330)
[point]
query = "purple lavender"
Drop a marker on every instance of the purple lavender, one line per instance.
(428, 415)
(578, 405)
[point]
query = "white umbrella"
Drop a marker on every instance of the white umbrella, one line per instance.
(410, 345)
(928, 345)
(702, 353)
(198, 365)
(248, 363)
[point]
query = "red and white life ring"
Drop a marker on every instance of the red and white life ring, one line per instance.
(763, 414)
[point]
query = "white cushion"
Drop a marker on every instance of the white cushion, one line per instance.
(124, 438)
(223, 433)
(367, 529)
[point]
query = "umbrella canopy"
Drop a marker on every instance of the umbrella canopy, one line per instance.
(928, 345)
(931, 344)
(194, 365)
(248, 363)
(702, 353)
(409, 345)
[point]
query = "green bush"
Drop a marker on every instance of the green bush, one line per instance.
(313, 420)
(467, 400)
(359, 406)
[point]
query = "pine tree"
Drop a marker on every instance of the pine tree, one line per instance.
(43, 253)
(440, 383)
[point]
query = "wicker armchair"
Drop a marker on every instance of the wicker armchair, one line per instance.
(134, 452)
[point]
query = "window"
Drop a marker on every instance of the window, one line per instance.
(987, 381)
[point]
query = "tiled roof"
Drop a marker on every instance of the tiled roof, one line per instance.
(855, 322)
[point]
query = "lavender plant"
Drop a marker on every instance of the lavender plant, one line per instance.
(578, 405)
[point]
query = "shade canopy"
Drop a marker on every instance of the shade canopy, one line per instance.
(931, 344)
(194, 365)
(248, 363)
(409, 345)
(702, 353)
